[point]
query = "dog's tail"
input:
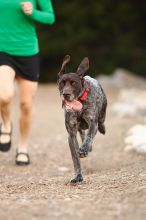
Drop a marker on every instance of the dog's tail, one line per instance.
(101, 128)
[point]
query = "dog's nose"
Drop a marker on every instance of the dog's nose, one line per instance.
(66, 95)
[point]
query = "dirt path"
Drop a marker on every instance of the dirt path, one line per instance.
(114, 184)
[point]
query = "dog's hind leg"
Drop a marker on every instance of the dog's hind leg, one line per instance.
(82, 134)
(101, 119)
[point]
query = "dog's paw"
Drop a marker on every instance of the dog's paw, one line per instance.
(101, 128)
(83, 152)
(77, 179)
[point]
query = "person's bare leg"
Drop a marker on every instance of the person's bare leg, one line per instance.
(27, 95)
(7, 75)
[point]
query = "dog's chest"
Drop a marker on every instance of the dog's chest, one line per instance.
(82, 120)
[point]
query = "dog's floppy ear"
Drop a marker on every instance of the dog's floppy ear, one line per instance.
(83, 67)
(65, 61)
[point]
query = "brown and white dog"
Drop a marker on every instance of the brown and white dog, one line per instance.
(85, 105)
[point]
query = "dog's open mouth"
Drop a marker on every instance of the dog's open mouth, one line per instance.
(72, 106)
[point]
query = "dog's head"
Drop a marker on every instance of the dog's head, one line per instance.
(71, 84)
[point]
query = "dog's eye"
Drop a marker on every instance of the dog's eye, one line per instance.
(73, 83)
(62, 83)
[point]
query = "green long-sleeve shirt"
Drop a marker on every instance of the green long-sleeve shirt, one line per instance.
(17, 30)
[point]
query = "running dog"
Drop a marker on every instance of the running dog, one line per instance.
(85, 105)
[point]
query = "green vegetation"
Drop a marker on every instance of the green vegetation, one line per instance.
(112, 33)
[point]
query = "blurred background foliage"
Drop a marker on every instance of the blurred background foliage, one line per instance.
(112, 33)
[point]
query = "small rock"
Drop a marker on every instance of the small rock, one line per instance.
(136, 139)
(63, 169)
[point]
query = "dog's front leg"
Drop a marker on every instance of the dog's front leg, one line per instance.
(71, 126)
(87, 144)
(76, 160)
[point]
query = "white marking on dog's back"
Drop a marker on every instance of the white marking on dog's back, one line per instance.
(93, 81)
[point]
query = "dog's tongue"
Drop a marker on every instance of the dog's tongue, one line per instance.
(73, 106)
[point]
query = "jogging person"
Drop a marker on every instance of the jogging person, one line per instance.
(19, 60)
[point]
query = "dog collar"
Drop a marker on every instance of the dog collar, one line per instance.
(85, 92)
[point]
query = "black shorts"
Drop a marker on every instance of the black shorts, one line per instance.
(28, 67)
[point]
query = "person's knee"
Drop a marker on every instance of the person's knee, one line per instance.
(26, 107)
(5, 96)
(7, 75)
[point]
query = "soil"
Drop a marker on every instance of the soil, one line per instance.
(114, 185)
